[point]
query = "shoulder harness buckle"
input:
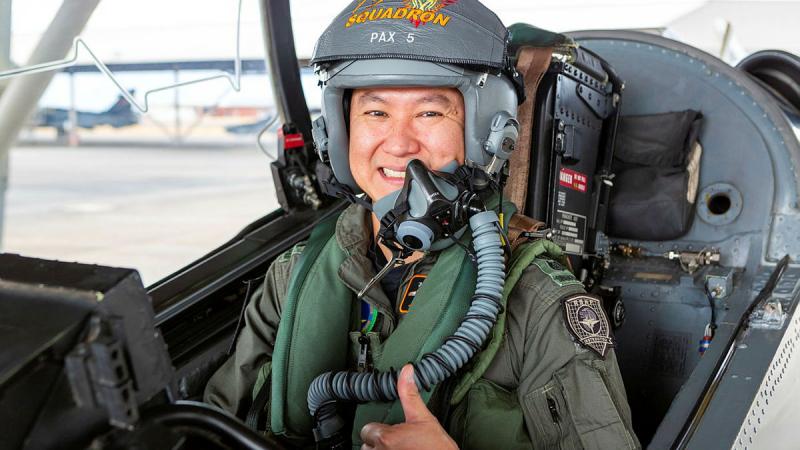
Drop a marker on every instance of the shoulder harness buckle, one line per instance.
(522, 229)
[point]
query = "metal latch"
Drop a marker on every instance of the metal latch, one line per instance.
(99, 375)
(769, 316)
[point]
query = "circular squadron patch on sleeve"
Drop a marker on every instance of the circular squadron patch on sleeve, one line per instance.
(587, 321)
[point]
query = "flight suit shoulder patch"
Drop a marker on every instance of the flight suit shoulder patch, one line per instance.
(292, 252)
(556, 272)
(587, 322)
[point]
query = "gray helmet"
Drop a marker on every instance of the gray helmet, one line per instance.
(435, 43)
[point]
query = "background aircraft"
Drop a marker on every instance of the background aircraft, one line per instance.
(119, 115)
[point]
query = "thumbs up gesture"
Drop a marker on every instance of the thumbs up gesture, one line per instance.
(421, 430)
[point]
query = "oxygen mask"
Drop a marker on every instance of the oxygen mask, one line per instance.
(431, 211)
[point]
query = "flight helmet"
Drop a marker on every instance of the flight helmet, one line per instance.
(412, 43)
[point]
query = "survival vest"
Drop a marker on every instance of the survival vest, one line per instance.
(320, 313)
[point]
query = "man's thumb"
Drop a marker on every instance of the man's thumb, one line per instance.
(414, 407)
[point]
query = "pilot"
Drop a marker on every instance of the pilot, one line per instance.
(427, 81)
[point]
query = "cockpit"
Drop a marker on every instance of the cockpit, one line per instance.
(669, 178)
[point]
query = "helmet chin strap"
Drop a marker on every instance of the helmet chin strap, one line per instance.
(332, 187)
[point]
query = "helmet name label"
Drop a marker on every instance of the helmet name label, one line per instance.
(383, 36)
(418, 12)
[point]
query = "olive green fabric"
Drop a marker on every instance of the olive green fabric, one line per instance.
(537, 359)
(301, 330)
(487, 419)
(522, 258)
(439, 306)
(557, 272)
(307, 344)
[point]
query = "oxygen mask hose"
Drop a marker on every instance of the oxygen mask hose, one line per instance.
(444, 362)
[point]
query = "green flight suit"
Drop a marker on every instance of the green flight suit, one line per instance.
(543, 388)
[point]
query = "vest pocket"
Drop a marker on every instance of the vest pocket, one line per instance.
(493, 419)
(549, 420)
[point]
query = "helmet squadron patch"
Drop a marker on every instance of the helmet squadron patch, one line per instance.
(419, 12)
(588, 323)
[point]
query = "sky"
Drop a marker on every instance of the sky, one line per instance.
(191, 29)
(159, 30)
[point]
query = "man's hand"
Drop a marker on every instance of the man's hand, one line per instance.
(421, 430)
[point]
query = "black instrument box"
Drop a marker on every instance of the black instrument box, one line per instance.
(575, 117)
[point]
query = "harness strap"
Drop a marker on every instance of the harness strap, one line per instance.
(289, 413)
(532, 64)
(518, 226)
(256, 414)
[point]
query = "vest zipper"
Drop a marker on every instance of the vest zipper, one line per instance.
(363, 353)
(551, 405)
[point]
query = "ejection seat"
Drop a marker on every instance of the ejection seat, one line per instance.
(746, 187)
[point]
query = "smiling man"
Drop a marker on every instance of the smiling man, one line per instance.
(391, 126)
(547, 375)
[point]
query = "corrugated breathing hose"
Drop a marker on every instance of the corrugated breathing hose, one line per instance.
(457, 349)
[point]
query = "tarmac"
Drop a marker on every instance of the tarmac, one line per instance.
(152, 208)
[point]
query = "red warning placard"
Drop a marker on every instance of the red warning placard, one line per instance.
(573, 180)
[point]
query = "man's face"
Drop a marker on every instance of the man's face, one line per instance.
(391, 126)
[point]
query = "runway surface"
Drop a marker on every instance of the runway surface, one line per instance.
(153, 209)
